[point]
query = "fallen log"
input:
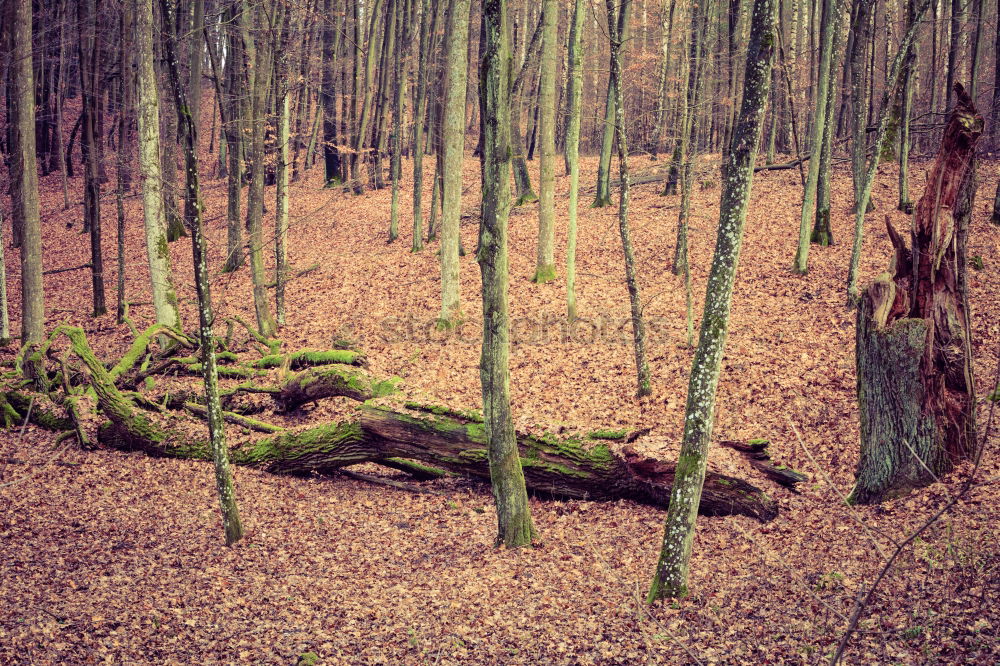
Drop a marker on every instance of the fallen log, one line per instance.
(440, 439)
(328, 381)
(755, 451)
(561, 468)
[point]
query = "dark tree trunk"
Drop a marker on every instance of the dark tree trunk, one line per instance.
(914, 355)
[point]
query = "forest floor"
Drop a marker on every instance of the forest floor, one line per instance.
(120, 558)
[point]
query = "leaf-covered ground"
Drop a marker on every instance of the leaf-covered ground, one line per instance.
(115, 557)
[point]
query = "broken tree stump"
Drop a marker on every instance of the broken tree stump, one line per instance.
(913, 349)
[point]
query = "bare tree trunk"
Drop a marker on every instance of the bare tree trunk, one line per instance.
(574, 95)
(154, 214)
(263, 67)
(24, 173)
(514, 525)
(453, 130)
(545, 267)
(671, 577)
(89, 83)
(217, 434)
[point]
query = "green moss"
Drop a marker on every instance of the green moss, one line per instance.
(758, 442)
(554, 468)
(474, 455)
(608, 434)
(307, 357)
(476, 432)
(473, 415)
(544, 274)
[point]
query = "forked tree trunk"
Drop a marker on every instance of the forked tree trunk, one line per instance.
(914, 355)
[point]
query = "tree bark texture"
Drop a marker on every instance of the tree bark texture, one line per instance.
(914, 357)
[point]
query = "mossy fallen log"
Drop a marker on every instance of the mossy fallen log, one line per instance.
(557, 467)
(328, 381)
(440, 440)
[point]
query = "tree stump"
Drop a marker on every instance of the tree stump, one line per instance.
(914, 359)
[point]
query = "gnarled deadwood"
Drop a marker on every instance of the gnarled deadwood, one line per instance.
(914, 357)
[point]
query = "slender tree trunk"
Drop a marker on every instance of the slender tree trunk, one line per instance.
(671, 576)
(399, 94)
(263, 67)
(24, 173)
(453, 130)
(89, 72)
(4, 310)
(688, 144)
(521, 178)
(121, 166)
(545, 265)
(831, 24)
(331, 44)
(574, 95)
(631, 278)
(662, 74)
(366, 105)
(216, 426)
(419, 111)
(603, 197)
(862, 33)
(869, 179)
(906, 110)
(153, 212)
(514, 526)
(282, 169)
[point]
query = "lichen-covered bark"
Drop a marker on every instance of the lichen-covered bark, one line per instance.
(514, 525)
(914, 355)
(216, 426)
(671, 574)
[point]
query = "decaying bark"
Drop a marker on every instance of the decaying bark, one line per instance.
(422, 440)
(914, 356)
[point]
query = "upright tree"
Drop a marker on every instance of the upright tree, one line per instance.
(575, 95)
(232, 525)
(671, 576)
(263, 67)
(831, 24)
(453, 131)
(24, 173)
(514, 526)
(868, 179)
(545, 268)
(89, 52)
(153, 213)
